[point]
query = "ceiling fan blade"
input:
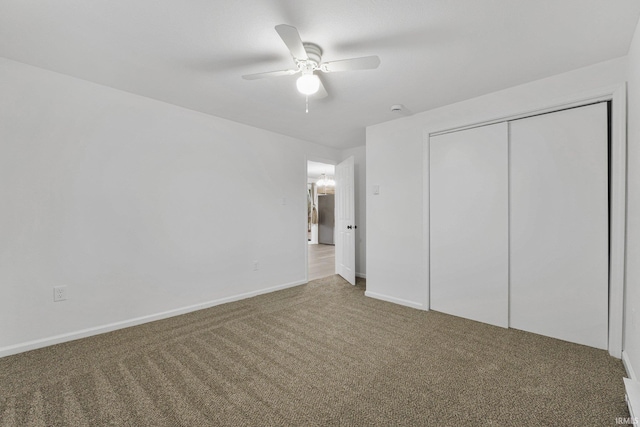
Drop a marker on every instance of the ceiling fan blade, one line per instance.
(291, 38)
(269, 74)
(321, 93)
(364, 63)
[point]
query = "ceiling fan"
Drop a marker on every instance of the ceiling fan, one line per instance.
(307, 57)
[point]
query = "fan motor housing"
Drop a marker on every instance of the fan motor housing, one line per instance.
(314, 52)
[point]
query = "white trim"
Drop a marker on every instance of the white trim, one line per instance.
(426, 220)
(632, 397)
(597, 95)
(617, 95)
(361, 275)
(306, 232)
(628, 367)
(617, 218)
(84, 333)
(395, 300)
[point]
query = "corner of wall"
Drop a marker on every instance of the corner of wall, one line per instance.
(631, 350)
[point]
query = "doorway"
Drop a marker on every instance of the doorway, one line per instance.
(320, 219)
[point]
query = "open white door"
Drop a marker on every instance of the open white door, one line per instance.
(345, 221)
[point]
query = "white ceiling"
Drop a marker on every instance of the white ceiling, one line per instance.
(432, 52)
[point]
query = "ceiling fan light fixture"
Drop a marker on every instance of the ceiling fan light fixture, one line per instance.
(308, 84)
(308, 59)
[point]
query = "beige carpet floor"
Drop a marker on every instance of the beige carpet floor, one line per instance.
(314, 355)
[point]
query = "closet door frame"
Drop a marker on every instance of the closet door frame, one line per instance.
(617, 191)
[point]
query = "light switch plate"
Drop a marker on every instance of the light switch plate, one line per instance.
(59, 293)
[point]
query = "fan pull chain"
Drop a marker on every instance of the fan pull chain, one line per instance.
(307, 105)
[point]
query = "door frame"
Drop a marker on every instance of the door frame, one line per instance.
(617, 94)
(308, 159)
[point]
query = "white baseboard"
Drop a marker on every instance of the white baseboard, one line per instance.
(84, 333)
(395, 300)
(632, 397)
(632, 388)
(627, 366)
(362, 275)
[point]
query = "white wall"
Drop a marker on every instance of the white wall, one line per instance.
(394, 217)
(141, 208)
(632, 295)
(359, 157)
(397, 245)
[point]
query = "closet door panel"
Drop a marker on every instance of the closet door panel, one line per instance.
(559, 225)
(469, 224)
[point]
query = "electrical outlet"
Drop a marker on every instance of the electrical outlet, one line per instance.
(59, 293)
(255, 265)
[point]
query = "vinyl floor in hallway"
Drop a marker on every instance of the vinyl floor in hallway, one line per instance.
(321, 261)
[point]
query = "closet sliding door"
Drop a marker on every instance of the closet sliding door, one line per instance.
(469, 223)
(559, 225)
